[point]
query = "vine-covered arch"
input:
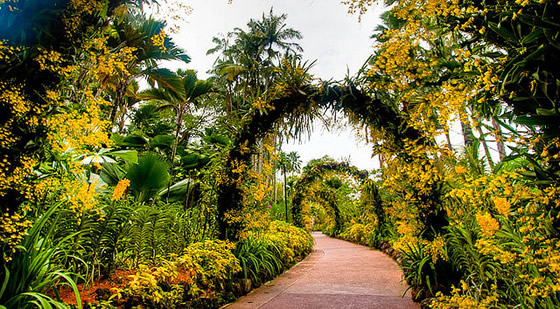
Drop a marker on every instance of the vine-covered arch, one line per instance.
(298, 100)
(317, 173)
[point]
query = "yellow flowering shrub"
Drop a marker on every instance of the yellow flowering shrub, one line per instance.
(292, 242)
(437, 65)
(202, 273)
(502, 205)
(155, 287)
(57, 113)
(215, 261)
(358, 233)
(487, 224)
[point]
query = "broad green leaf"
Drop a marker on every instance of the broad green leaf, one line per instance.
(127, 155)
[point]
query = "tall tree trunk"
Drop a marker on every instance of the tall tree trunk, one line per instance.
(448, 139)
(122, 120)
(284, 194)
(485, 146)
(274, 184)
(229, 102)
(499, 138)
(468, 135)
(175, 144)
(120, 93)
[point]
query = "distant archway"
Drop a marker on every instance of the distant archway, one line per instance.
(317, 173)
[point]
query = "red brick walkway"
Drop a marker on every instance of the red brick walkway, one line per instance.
(338, 274)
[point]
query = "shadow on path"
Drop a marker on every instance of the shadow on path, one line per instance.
(338, 274)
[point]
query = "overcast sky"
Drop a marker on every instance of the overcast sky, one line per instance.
(338, 42)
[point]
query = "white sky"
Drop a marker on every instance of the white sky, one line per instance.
(338, 42)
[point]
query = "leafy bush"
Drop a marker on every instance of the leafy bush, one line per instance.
(95, 237)
(156, 231)
(259, 259)
(213, 262)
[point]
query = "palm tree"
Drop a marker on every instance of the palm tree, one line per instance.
(289, 163)
(179, 92)
(248, 58)
(138, 32)
(271, 32)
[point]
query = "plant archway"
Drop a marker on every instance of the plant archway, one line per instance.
(298, 99)
(317, 173)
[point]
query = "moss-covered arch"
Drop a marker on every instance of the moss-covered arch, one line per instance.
(298, 101)
(317, 173)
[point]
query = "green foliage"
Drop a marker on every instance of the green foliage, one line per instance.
(155, 232)
(95, 238)
(147, 177)
(259, 259)
(531, 41)
(467, 259)
(425, 273)
(34, 270)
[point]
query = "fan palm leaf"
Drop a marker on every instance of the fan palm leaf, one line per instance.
(147, 177)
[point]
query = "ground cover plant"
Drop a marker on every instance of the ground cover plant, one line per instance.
(168, 196)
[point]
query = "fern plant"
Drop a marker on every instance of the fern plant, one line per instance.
(156, 231)
(94, 248)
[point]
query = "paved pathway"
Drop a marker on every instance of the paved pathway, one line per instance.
(338, 274)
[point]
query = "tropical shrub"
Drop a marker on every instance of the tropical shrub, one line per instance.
(155, 287)
(427, 268)
(94, 236)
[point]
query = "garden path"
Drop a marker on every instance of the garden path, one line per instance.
(338, 274)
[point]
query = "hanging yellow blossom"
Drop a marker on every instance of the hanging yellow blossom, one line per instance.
(120, 189)
(436, 249)
(262, 105)
(159, 41)
(81, 195)
(12, 230)
(459, 169)
(488, 225)
(502, 204)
